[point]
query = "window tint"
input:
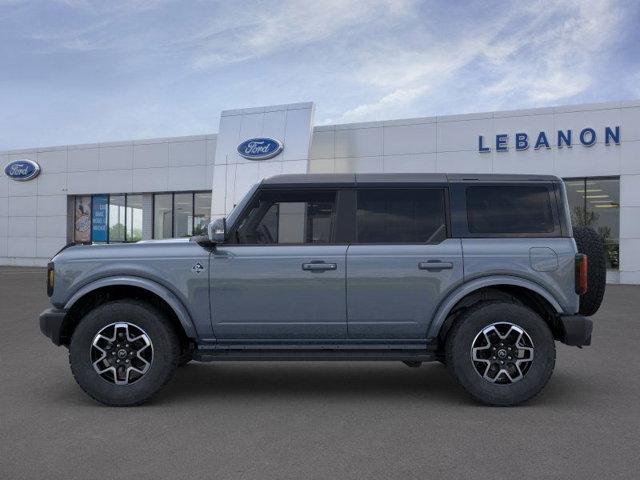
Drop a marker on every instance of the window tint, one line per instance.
(509, 209)
(289, 217)
(401, 216)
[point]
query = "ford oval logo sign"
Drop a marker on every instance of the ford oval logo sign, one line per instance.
(260, 148)
(22, 170)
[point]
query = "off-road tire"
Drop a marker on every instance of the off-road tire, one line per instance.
(459, 361)
(590, 243)
(166, 352)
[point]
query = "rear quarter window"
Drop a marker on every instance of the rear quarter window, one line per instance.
(510, 209)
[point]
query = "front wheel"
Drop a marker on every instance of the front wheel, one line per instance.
(122, 352)
(502, 353)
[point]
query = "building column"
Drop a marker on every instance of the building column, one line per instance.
(147, 216)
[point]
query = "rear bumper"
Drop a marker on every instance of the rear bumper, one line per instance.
(51, 324)
(577, 330)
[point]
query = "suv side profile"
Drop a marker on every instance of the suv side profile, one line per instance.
(479, 272)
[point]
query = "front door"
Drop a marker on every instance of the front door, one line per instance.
(280, 276)
(401, 264)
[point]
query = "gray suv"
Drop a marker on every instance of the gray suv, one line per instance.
(479, 272)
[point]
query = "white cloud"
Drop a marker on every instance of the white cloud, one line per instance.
(253, 33)
(543, 51)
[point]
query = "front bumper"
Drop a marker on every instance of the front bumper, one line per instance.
(51, 321)
(577, 330)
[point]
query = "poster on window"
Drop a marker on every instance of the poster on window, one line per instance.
(99, 209)
(82, 220)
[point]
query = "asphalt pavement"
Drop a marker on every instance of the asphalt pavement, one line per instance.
(317, 420)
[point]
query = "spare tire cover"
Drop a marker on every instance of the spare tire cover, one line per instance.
(590, 243)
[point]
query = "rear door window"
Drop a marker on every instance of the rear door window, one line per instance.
(401, 216)
(510, 209)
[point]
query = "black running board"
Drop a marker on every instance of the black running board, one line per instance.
(314, 355)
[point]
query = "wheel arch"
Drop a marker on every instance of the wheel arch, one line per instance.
(518, 289)
(119, 287)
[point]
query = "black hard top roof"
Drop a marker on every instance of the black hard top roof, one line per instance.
(370, 179)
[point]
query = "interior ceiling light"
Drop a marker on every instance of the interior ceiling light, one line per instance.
(597, 196)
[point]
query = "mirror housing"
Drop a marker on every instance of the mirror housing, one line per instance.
(217, 230)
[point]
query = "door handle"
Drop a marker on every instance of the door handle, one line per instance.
(435, 265)
(319, 266)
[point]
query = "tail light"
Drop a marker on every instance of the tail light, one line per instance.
(51, 278)
(582, 281)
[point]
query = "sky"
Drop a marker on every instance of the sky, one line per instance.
(80, 71)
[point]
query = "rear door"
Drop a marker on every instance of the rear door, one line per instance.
(401, 263)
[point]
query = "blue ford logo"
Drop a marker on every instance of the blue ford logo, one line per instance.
(22, 170)
(260, 148)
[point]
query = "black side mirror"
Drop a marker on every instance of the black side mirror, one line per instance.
(217, 230)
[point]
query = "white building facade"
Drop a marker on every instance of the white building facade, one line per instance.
(172, 187)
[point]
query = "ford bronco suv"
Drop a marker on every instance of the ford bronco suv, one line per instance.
(482, 273)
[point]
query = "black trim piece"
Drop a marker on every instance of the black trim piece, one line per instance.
(327, 355)
(576, 330)
(345, 228)
(51, 321)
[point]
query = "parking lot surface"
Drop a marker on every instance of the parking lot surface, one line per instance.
(317, 420)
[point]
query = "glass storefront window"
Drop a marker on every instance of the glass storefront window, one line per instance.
(595, 203)
(183, 215)
(162, 215)
(134, 218)
(108, 218)
(201, 212)
(117, 218)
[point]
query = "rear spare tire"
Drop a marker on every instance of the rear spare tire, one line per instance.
(590, 244)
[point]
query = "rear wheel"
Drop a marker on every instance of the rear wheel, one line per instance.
(502, 353)
(122, 352)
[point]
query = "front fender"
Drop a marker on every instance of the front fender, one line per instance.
(149, 285)
(454, 297)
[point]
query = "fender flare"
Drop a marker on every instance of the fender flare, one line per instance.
(164, 293)
(454, 297)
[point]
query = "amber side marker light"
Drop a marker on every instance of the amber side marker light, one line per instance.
(582, 282)
(51, 278)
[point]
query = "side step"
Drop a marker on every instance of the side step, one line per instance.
(314, 356)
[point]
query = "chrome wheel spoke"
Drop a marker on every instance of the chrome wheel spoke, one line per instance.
(121, 353)
(502, 353)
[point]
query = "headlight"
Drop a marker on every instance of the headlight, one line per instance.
(51, 278)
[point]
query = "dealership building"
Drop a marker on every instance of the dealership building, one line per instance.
(171, 187)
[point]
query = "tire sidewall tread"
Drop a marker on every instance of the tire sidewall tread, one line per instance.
(166, 352)
(463, 333)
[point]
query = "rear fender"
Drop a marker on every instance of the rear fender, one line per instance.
(453, 298)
